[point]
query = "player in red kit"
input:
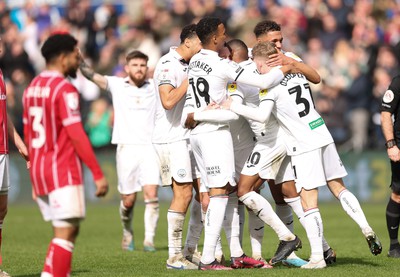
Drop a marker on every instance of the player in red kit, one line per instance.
(57, 145)
(7, 130)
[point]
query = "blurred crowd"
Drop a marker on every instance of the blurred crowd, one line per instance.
(353, 44)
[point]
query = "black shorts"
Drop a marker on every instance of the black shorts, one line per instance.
(395, 184)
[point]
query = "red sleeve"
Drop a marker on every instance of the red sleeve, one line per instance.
(84, 149)
(71, 120)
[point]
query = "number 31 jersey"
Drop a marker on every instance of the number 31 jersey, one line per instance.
(295, 111)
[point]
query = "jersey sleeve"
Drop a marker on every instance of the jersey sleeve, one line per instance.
(293, 56)
(111, 83)
(391, 98)
(71, 120)
(165, 74)
(235, 92)
(68, 105)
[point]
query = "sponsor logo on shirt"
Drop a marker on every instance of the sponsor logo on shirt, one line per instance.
(316, 123)
(3, 97)
(213, 170)
(263, 92)
(232, 87)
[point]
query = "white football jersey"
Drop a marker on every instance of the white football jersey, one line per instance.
(242, 134)
(250, 97)
(295, 111)
(171, 69)
(134, 111)
(209, 75)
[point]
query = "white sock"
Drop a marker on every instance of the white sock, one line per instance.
(151, 214)
(218, 248)
(312, 222)
(194, 229)
(284, 212)
(352, 207)
(176, 221)
(256, 231)
(126, 216)
(212, 228)
(261, 207)
(242, 218)
(295, 204)
(231, 226)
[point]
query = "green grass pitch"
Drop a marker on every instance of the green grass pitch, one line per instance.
(98, 252)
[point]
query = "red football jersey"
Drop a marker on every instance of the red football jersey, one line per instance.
(52, 128)
(3, 117)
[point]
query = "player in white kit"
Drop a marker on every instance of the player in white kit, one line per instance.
(307, 141)
(134, 102)
(171, 141)
(212, 143)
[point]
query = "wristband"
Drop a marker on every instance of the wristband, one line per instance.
(390, 143)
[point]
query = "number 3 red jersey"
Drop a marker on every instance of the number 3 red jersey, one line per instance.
(51, 123)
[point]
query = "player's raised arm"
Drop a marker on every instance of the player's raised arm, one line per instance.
(93, 76)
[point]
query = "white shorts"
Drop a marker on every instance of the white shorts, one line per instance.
(241, 156)
(195, 169)
(64, 203)
(4, 174)
(136, 167)
(314, 168)
(285, 172)
(214, 156)
(174, 162)
(265, 160)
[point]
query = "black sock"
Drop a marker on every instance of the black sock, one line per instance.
(392, 222)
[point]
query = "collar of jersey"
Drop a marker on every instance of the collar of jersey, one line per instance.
(51, 73)
(208, 52)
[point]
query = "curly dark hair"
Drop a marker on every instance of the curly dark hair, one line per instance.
(207, 27)
(58, 44)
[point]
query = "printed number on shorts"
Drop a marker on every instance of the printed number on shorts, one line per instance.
(37, 126)
(200, 89)
(302, 100)
(253, 160)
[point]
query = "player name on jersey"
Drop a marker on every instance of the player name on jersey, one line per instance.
(201, 65)
(37, 91)
(289, 76)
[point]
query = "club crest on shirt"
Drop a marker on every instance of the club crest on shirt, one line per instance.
(182, 173)
(232, 87)
(263, 92)
(72, 101)
(388, 96)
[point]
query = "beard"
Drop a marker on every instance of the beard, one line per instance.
(71, 72)
(138, 81)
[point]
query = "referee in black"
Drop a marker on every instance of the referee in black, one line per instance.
(391, 130)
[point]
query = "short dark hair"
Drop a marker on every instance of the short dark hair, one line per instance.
(265, 27)
(136, 54)
(207, 27)
(237, 43)
(188, 31)
(58, 44)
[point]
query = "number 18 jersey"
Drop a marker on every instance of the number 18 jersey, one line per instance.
(295, 111)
